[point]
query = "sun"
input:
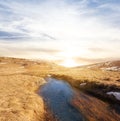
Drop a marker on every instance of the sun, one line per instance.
(69, 63)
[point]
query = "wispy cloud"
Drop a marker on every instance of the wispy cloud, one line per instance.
(82, 27)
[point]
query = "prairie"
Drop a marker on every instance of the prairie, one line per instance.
(20, 80)
(19, 100)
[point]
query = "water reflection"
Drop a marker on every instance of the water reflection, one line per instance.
(57, 95)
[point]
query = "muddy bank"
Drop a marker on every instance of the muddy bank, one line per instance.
(95, 109)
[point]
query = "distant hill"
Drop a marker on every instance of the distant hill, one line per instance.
(108, 66)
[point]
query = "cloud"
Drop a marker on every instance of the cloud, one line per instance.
(82, 27)
(10, 35)
(97, 49)
(63, 21)
(28, 49)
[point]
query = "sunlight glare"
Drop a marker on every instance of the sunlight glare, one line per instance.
(69, 63)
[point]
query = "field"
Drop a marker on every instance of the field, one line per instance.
(19, 100)
(95, 82)
(92, 79)
(20, 80)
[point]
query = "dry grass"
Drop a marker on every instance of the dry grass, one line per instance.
(20, 79)
(76, 76)
(18, 98)
(98, 82)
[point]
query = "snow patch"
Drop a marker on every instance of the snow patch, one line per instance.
(113, 68)
(116, 94)
(82, 84)
(107, 63)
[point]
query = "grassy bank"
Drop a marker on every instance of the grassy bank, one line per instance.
(94, 82)
(19, 100)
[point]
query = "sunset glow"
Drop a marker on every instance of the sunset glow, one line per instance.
(60, 30)
(69, 63)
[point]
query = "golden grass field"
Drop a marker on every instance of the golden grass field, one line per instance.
(79, 75)
(20, 79)
(19, 100)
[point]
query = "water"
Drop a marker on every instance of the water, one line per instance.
(58, 95)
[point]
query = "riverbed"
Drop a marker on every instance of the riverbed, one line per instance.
(58, 96)
(69, 104)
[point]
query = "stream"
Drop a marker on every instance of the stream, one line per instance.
(58, 96)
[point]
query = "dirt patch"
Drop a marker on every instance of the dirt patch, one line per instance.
(95, 109)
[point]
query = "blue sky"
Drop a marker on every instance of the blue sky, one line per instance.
(84, 30)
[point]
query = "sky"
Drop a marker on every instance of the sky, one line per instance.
(64, 31)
